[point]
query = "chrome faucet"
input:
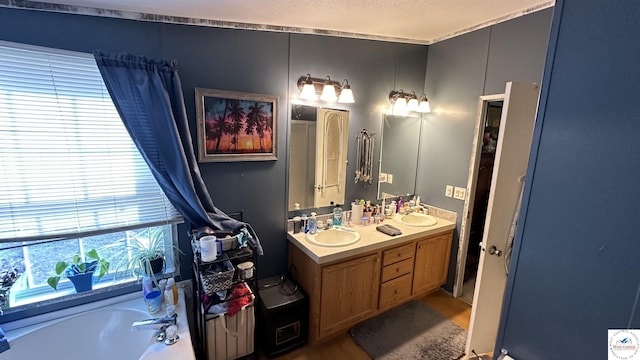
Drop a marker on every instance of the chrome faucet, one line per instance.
(167, 330)
(155, 323)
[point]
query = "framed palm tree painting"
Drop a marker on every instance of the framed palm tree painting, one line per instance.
(236, 126)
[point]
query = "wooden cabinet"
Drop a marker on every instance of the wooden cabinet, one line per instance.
(349, 292)
(397, 270)
(431, 263)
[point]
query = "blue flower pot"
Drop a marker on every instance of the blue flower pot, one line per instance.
(82, 282)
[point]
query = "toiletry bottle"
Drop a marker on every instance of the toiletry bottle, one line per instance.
(313, 224)
(337, 215)
(297, 224)
(171, 283)
(162, 284)
(305, 227)
(400, 205)
(168, 295)
(147, 285)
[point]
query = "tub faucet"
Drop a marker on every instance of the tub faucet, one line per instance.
(155, 323)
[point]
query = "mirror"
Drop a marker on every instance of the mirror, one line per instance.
(318, 156)
(399, 155)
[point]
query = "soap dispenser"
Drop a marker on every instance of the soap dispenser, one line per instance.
(337, 215)
(313, 224)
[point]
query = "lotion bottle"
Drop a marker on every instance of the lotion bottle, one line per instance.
(313, 224)
(337, 215)
(171, 283)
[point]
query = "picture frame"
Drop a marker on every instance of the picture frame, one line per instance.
(236, 126)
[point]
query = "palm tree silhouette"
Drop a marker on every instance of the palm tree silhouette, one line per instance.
(216, 125)
(236, 113)
(256, 122)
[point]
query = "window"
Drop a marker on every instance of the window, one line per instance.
(71, 178)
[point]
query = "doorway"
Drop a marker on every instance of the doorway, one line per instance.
(491, 114)
(498, 206)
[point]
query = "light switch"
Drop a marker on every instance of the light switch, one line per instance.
(390, 178)
(459, 193)
(449, 191)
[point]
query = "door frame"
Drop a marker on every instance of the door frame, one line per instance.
(474, 165)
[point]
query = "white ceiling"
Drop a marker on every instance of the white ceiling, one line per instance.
(421, 21)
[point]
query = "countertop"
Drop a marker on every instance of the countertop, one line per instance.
(370, 239)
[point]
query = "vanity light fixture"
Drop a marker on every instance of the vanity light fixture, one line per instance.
(412, 104)
(403, 102)
(308, 91)
(346, 95)
(326, 89)
(424, 104)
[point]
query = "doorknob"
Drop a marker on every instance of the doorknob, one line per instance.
(494, 251)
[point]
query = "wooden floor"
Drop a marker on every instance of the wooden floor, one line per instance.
(343, 346)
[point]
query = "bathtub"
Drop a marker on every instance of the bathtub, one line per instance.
(96, 331)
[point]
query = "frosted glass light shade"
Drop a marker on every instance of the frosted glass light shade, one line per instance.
(400, 106)
(424, 106)
(328, 93)
(346, 96)
(412, 105)
(308, 92)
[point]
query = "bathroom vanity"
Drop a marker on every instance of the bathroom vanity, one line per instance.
(348, 284)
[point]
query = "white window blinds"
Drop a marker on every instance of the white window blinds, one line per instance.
(68, 167)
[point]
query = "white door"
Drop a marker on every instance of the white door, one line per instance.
(332, 133)
(512, 155)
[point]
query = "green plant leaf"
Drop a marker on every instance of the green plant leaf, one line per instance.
(60, 267)
(104, 268)
(93, 254)
(53, 282)
(76, 259)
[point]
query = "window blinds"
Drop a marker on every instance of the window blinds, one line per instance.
(68, 167)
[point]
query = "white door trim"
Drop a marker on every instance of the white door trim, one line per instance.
(467, 212)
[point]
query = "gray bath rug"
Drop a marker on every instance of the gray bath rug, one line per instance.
(411, 331)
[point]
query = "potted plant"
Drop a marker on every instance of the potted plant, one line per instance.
(145, 253)
(80, 272)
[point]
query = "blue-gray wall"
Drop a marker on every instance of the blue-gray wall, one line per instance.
(459, 71)
(576, 272)
(246, 61)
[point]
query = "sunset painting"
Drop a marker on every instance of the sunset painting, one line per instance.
(235, 126)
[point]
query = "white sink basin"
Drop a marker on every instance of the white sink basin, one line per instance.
(336, 236)
(416, 219)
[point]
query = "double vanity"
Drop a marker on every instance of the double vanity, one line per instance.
(354, 273)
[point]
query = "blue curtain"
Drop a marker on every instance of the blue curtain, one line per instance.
(148, 96)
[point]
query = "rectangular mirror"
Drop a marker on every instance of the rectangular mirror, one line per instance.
(318, 156)
(399, 155)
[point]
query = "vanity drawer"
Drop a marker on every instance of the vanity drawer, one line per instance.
(398, 254)
(395, 291)
(396, 270)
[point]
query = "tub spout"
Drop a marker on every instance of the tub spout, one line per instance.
(155, 323)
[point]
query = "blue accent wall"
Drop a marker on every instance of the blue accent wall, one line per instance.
(246, 61)
(576, 272)
(459, 71)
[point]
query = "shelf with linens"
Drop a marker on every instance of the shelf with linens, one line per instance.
(226, 290)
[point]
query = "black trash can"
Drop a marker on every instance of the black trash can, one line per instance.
(283, 315)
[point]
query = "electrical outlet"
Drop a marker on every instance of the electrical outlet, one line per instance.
(383, 177)
(390, 178)
(459, 193)
(449, 191)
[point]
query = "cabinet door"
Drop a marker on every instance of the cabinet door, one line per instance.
(431, 263)
(349, 292)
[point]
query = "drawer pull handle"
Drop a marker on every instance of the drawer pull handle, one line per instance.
(396, 292)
